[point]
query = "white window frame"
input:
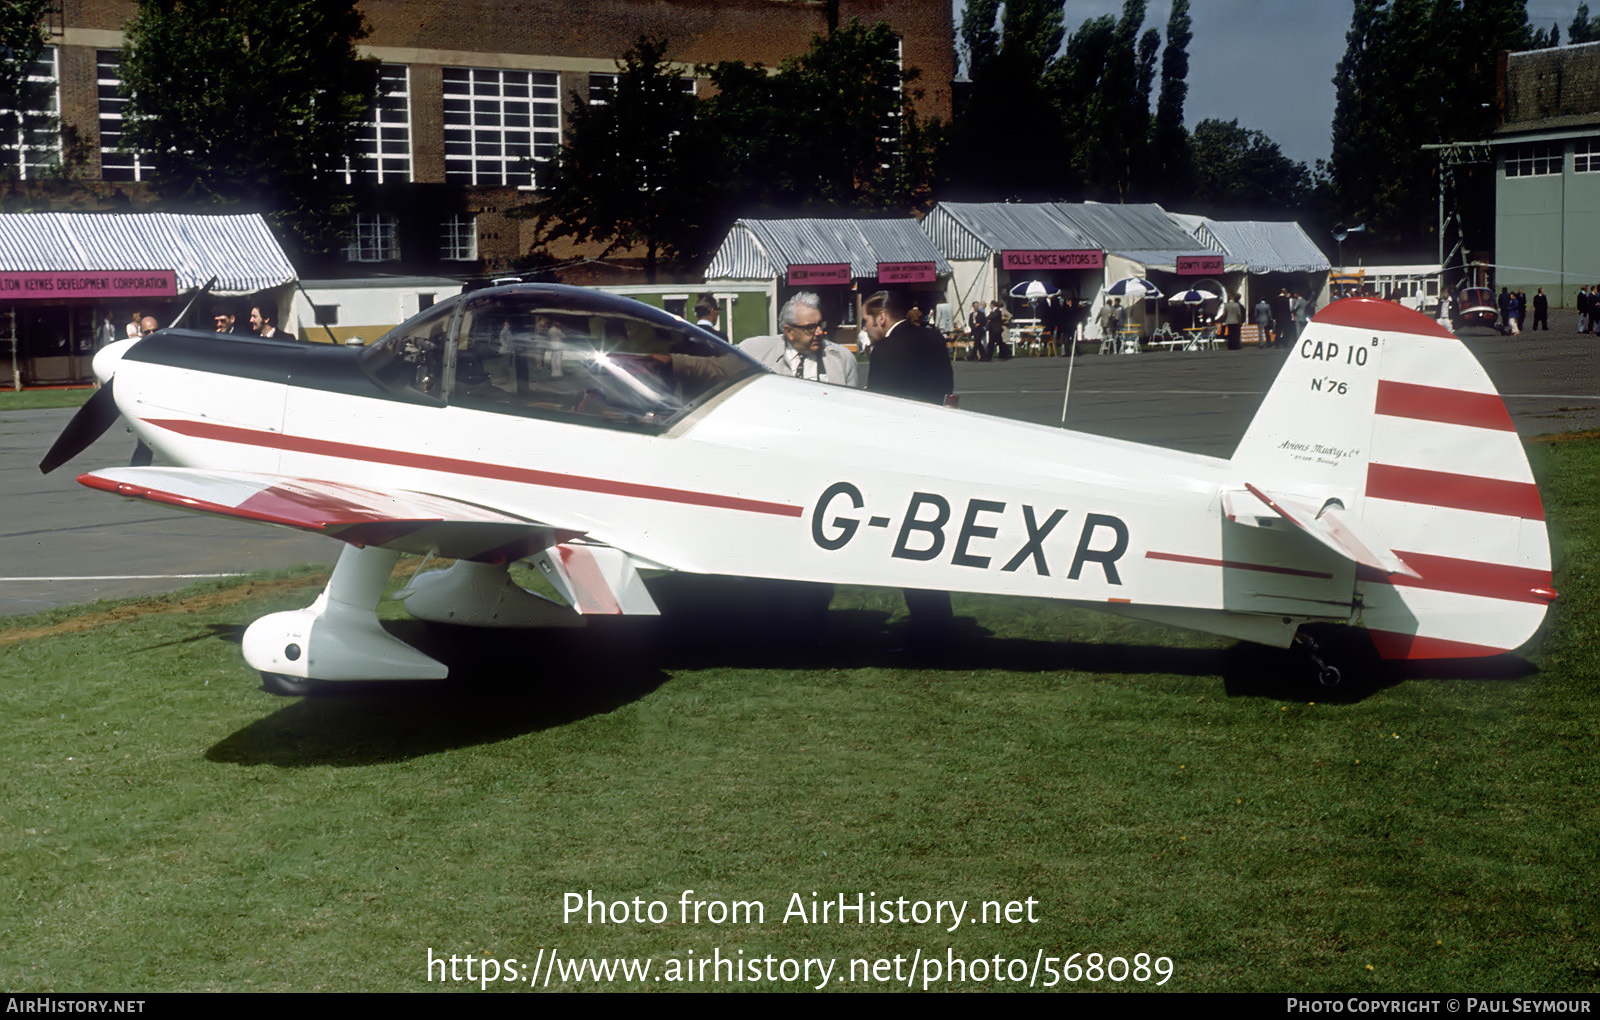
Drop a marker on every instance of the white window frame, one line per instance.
(1586, 156)
(32, 161)
(109, 116)
(1535, 159)
(458, 239)
(384, 141)
(499, 125)
(374, 237)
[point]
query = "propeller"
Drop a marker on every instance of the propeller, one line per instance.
(89, 424)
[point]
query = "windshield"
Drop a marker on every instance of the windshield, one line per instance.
(561, 353)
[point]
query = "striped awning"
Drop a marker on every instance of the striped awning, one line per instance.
(764, 249)
(238, 250)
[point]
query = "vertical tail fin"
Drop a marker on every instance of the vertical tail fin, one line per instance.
(1383, 414)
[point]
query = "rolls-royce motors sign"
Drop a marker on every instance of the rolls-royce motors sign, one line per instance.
(1058, 259)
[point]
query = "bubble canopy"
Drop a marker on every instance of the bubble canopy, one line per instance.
(565, 353)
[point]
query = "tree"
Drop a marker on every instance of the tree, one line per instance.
(979, 39)
(1583, 28)
(628, 173)
(1169, 141)
(1239, 171)
(850, 92)
(25, 121)
(1009, 103)
(250, 102)
(1415, 72)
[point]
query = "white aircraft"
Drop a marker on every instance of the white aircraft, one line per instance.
(1380, 485)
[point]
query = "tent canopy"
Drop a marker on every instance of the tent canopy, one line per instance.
(239, 250)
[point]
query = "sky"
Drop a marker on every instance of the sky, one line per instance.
(1269, 63)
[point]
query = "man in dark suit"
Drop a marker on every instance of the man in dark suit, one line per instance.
(910, 361)
(976, 322)
(907, 360)
(706, 314)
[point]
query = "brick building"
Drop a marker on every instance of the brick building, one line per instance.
(470, 90)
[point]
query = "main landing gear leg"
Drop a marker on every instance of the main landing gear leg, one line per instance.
(337, 637)
(1328, 674)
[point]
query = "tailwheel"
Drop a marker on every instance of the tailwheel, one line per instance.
(285, 686)
(1328, 675)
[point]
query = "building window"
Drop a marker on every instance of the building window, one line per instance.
(115, 165)
(34, 144)
(603, 86)
(374, 237)
(458, 239)
(383, 141)
(499, 124)
(1586, 156)
(1540, 159)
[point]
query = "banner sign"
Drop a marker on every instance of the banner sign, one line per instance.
(80, 283)
(819, 274)
(907, 272)
(1091, 259)
(1198, 265)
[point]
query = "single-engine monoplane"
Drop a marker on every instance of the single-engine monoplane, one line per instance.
(1380, 485)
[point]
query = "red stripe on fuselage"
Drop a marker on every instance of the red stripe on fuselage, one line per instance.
(1459, 492)
(1467, 577)
(1436, 403)
(476, 469)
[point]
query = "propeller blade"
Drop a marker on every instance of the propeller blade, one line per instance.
(89, 424)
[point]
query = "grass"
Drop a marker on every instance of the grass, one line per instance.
(33, 400)
(168, 826)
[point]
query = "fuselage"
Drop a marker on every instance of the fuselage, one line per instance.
(772, 477)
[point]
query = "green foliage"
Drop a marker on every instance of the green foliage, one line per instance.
(849, 90)
(632, 170)
(1169, 141)
(252, 102)
(979, 38)
(1414, 72)
(24, 118)
(1584, 28)
(1239, 171)
(833, 129)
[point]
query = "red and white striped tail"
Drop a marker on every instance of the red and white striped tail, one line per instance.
(1384, 410)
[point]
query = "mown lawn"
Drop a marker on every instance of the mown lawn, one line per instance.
(169, 826)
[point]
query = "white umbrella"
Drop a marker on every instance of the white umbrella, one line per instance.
(1034, 290)
(1135, 288)
(1191, 297)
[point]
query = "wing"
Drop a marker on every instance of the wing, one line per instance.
(416, 522)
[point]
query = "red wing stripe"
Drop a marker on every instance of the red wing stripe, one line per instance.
(1460, 492)
(1395, 645)
(590, 590)
(1235, 565)
(1435, 403)
(451, 465)
(291, 514)
(1468, 577)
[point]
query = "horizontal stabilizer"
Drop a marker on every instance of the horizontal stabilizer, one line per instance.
(1329, 524)
(417, 522)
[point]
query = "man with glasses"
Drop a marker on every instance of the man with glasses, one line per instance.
(804, 351)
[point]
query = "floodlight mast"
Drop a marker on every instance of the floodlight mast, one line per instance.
(1451, 156)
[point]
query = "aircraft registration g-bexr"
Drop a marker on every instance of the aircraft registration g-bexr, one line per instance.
(1380, 485)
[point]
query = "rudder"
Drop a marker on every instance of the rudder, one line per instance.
(1384, 414)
